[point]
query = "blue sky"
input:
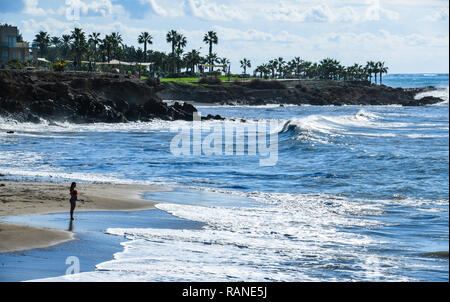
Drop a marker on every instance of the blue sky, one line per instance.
(411, 36)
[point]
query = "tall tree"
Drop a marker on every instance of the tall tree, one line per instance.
(245, 63)
(181, 44)
(107, 45)
(55, 41)
(65, 45)
(211, 38)
(280, 66)
(116, 41)
(94, 40)
(145, 38)
(42, 41)
(79, 45)
(297, 63)
(381, 68)
(370, 67)
(192, 59)
(173, 38)
(224, 62)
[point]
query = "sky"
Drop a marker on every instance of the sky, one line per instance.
(410, 36)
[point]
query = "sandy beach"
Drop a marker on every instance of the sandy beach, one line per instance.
(25, 198)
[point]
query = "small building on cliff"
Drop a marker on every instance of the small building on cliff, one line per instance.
(12, 48)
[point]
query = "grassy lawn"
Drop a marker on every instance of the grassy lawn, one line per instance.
(195, 79)
(179, 80)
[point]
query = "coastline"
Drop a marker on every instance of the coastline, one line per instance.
(33, 198)
(83, 97)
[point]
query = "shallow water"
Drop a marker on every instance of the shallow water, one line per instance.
(91, 245)
(357, 193)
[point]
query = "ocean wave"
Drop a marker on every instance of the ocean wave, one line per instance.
(267, 106)
(442, 93)
(45, 172)
(325, 128)
(292, 237)
(144, 127)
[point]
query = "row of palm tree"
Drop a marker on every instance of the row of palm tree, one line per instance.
(327, 68)
(77, 46)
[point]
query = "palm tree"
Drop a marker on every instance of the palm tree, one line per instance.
(65, 45)
(259, 69)
(280, 65)
(381, 69)
(160, 61)
(245, 63)
(212, 59)
(94, 40)
(224, 62)
(42, 40)
(116, 40)
(173, 37)
(192, 59)
(297, 64)
(211, 38)
(180, 43)
(55, 41)
(145, 38)
(370, 66)
(329, 69)
(107, 45)
(79, 45)
(272, 66)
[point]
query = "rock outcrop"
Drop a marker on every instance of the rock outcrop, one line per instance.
(312, 92)
(83, 98)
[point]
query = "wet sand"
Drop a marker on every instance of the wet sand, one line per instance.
(25, 198)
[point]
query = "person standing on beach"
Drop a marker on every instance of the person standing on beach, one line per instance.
(73, 199)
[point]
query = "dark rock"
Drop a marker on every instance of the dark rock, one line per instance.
(83, 97)
(314, 92)
(213, 117)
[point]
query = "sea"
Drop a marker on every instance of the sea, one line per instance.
(355, 193)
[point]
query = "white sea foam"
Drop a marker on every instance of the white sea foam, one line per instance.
(323, 128)
(143, 127)
(267, 106)
(291, 237)
(58, 174)
(442, 93)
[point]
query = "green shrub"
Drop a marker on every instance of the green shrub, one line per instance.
(15, 64)
(210, 81)
(262, 84)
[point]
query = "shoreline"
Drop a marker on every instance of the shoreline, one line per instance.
(35, 198)
(104, 98)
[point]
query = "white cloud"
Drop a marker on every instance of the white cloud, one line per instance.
(31, 8)
(439, 15)
(166, 10)
(323, 12)
(210, 10)
(102, 7)
(294, 13)
(375, 12)
(253, 35)
(156, 8)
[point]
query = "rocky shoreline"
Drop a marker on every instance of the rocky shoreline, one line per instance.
(297, 92)
(82, 97)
